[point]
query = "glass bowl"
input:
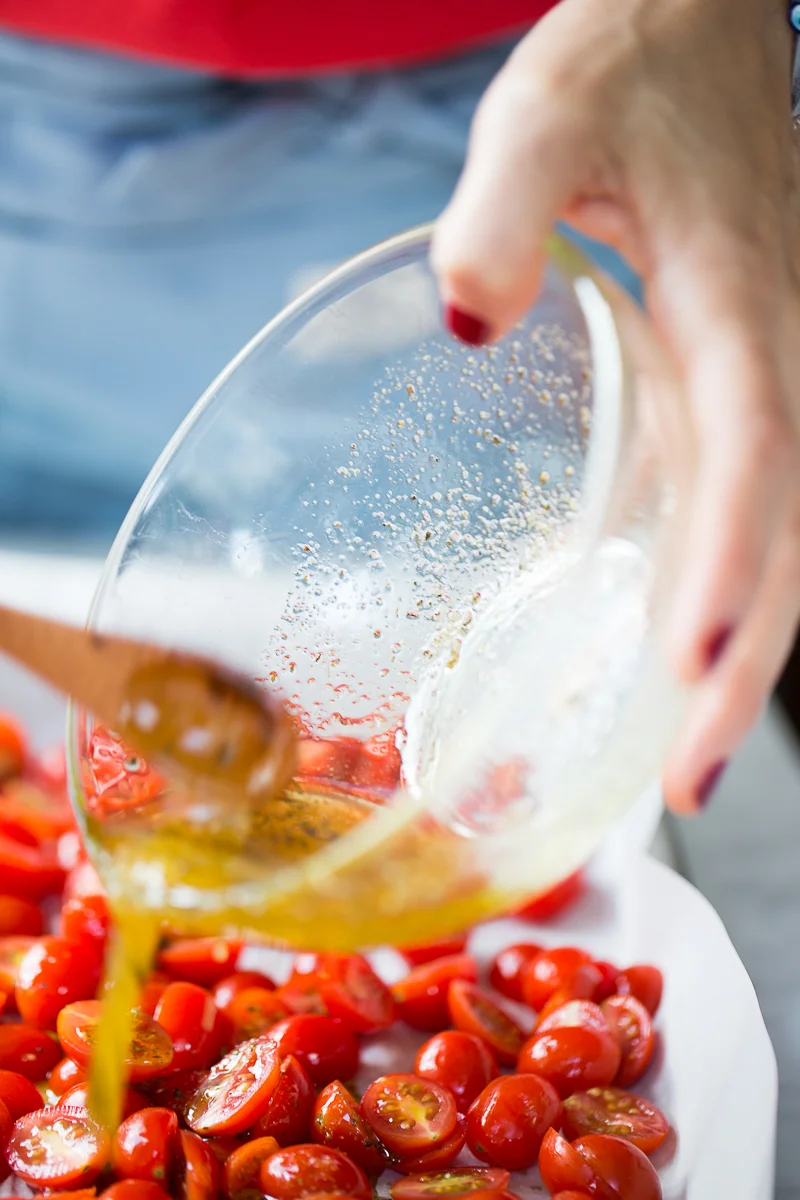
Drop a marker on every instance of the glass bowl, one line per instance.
(448, 562)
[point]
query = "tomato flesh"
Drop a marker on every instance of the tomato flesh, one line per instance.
(472, 1010)
(308, 1170)
(336, 1121)
(236, 1090)
(613, 1111)
(409, 1114)
(631, 1025)
(242, 1167)
(460, 1181)
(57, 1147)
(150, 1052)
(438, 1157)
(506, 1124)
(460, 1062)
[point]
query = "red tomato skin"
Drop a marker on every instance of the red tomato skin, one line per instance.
(175, 1090)
(562, 1168)
(254, 1011)
(472, 1010)
(306, 1170)
(572, 1196)
(287, 1117)
(336, 1121)
(152, 991)
(623, 1168)
(200, 960)
(588, 1112)
(301, 994)
(644, 982)
(424, 1186)
(505, 972)
(459, 1061)
(549, 971)
(202, 1174)
(241, 1167)
(572, 1058)
(555, 901)
(31, 872)
(439, 1157)
(352, 992)
(421, 996)
(36, 1173)
(607, 986)
(19, 917)
(6, 1123)
(131, 1189)
(583, 1013)
(408, 1137)
(145, 1145)
(64, 1075)
(86, 919)
(630, 1023)
(12, 952)
(417, 956)
(582, 986)
(324, 1047)
(54, 973)
(77, 1097)
(188, 1013)
(13, 747)
(19, 1095)
(228, 988)
(28, 1051)
(507, 1122)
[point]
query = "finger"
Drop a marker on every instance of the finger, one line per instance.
(732, 697)
(526, 151)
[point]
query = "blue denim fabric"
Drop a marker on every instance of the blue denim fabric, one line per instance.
(151, 220)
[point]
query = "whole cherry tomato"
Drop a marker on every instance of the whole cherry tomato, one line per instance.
(422, 995)
(505, 973)
(28, 1051)
(57, 1147)
(287, 1116)
(461, 1062)
(611, 1110)
(549, 971)
(336, 1121)
(507, 1122)
(236, 1090)
(189, 1015)
(64, 1075)
(644, 982)
(324, 1047)
(631, 1025)
(472, 1010)
(410, 1115)
(20, 917)
(572, 1058)
(146, 1145)
(53, 973)
(86, 919)
(18, 1094)
(351, 991)
(300, 1171)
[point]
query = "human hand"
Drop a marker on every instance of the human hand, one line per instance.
(664, 127)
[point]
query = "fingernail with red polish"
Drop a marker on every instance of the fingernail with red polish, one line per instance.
(706, 789)
(717, 645)
(465, 327)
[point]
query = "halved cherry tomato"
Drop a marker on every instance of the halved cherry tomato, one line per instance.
(325, 1048)
(301, 994)
(57, 1147)
(644, 982)
(236, 1090)
(86, 919)
(228, 988)
(459, 1061)
(30, 871)
(507, 1122)
(417, 956)
(351, 991)
(608, 980)
(611, 1110)
(438, 1157)
(150, 1051)
(189, 1015)
(254, 1011)
(224, 1147)
(53, 973)
(571, 1195)
(583, 1013)
(28, 1051)
(583, 986)
(572, 1058)
(175, 1090)
(336, 1121)
(459, 1181)
(88, 1193)
(308, 1170)
(20, 917)
(242, 1167)
(127, 1189)
(12, 952)
(152, 991)
(64, 1075)
(472, 1010)
(410, 1115)
(287, 1116)
(202, 1174)
(201, 960)
(77, 1097)
(19, 1094)
(624, 1170)
(13, 747)
(422, 995)
(562, 1168)
(505, 973)
(554, 901)
(549, 971)
(631, 1025)
(146, 1144)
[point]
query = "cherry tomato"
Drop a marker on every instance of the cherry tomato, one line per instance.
(32, 872)
(422, 995)
(19, 917)
(417, 956)
(583, 1013)
(472, 1010)
(202, 1174)
(287, 1116)
(505, 973)
(308, 1170)
(301, 994)
(189, 1015)
(53, 973)
(228, 988)
(351, 991)
(12, 952)
(224, 1147)
(175, 1090)
(88, 1193)
(507, 1122)
(6, 1123)
(126, 1189)
(572, 1058)
(460, 1181)
(328, 758)
(77, 1097)
(18, 1094)
(461, 1062)
(254, 1011)
(243, 1166)
(554, 901)
(86, 919)
(150, 1051)
(608, 980)
(13, 747)
(324, 1047)
(336, 1121)
(236, 1090)
(571, 1195)
(201, 960)
(409, 1115)
(378, 766)
(145, 1145)
(57, 1147)
(562, 1168)
(439, 1157)
(549, 971)
(64, 1075)
(644, 982)
(583, 986)
(631, 1025)
(28, 1051)
(610, 1110)
(624, 1170)
(152, 991)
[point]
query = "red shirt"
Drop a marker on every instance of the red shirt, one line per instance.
(274, 37)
